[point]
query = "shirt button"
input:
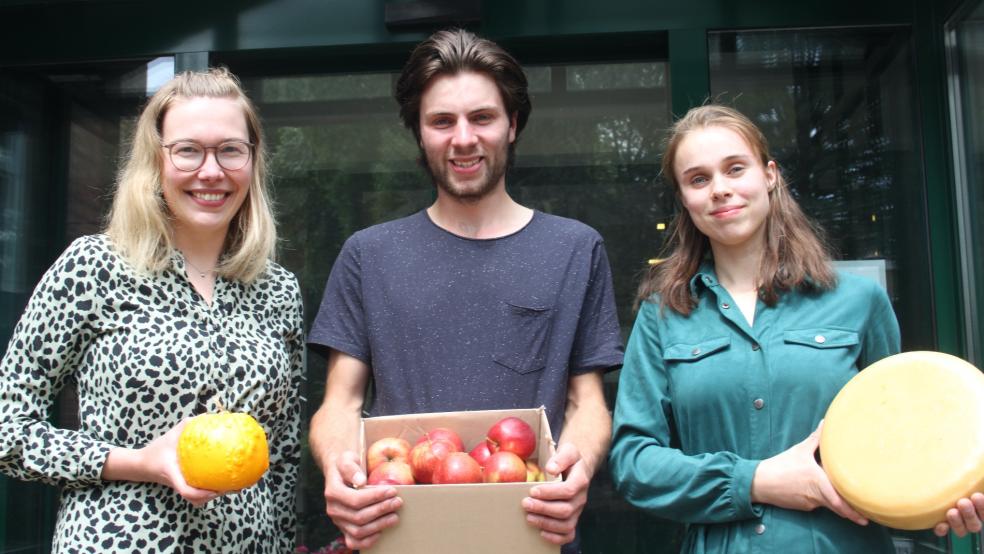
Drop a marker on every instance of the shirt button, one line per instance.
(758, 403)
(725, 305)
(755, 347)
(695, 352)
(820, 339)
(760, 528)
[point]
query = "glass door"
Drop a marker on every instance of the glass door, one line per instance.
(965, 72)
(964, 35)
(840, 117)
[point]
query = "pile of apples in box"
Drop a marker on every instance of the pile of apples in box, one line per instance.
(439, 457)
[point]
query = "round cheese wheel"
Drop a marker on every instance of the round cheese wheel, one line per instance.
(904, 439)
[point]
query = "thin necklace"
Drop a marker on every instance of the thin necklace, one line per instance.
(199, 271)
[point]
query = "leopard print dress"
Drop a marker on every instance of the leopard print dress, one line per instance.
(145, 352)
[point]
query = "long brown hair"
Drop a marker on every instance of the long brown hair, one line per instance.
(796, 255)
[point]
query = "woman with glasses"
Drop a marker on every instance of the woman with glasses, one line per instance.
(176, 309)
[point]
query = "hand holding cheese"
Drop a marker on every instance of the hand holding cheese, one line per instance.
(903, 442)
(964, 518)
(794, 480)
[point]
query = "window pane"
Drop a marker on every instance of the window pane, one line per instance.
(966, 59)
(839, 111)
(342, 161)
(840, 116)
(310, 89)
(591, 151)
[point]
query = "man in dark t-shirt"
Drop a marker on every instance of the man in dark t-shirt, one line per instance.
(474, 303)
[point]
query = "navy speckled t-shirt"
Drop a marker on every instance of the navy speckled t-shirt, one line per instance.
(449, 323)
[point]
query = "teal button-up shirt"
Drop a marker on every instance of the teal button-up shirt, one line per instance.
(702, 399)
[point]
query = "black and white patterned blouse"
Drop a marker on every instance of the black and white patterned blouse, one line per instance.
(146, 352)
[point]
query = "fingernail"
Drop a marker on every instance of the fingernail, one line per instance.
(527, 504)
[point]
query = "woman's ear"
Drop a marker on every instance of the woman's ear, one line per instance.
(771, 175)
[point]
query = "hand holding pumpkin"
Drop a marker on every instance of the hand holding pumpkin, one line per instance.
(222, 451)
(157, 462)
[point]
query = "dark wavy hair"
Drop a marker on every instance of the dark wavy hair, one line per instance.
(796, 255)
(453, 51)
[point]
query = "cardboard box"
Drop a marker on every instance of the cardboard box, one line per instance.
(476, 518)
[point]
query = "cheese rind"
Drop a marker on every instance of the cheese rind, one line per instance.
(904, 439)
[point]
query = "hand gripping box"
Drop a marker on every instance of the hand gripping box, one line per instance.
(474, 518)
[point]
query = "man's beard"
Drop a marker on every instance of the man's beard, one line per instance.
(471, 190)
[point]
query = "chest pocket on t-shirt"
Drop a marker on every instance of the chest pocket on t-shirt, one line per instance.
(522, 337)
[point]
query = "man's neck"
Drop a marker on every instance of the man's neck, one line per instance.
(493, 216)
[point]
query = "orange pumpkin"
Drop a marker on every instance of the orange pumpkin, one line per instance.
(223, 451)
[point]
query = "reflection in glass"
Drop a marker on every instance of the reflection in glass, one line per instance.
(159, 71)
(342, 161)
(965, 57)
(839, 113)
(840, 116)
(308, 88)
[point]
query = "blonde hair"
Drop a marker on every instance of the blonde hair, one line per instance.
(139, 221)
(796, 255)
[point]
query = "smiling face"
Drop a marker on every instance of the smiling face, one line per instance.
(465, 134)
(724, 186)
(204, 201)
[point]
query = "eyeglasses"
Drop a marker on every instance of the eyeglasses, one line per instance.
(188, 155)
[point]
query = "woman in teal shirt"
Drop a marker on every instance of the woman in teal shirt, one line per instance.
(744, 336)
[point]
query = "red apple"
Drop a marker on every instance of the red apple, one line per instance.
(504, 467)
(533, 472)
(425, 456)
(445, 434)
(480, 453)
(387, 449)
(391, 473)
(457, 467)
(512, 434)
